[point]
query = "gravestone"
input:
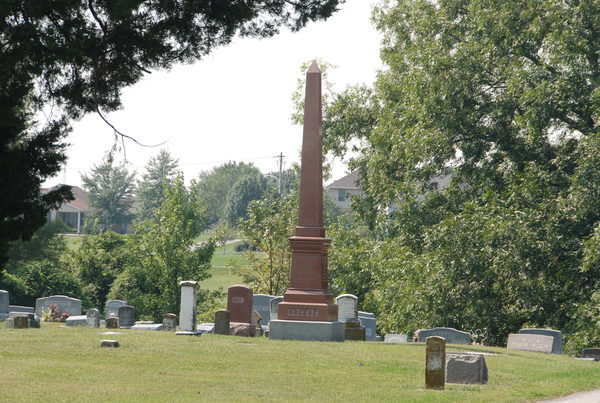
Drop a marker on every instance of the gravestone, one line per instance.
(206, 327)
(435, 362)
(109, 343)
(4, 304)
(21, 309)
(126, 314)
(530, 342)
(557, 345)
(348, 313)
(239, 303)
(33, 322)
(187, 309)
(111, 308)
(10, 323)
(93, 318)
(20, 322)
(591, 353)
(368, 321)
(147, 326)
(76, 320)
(451, 335)
(112, 322)
(274, 304)
(261, 303)
(395, 338)
(222, 322)
(66, 304)
(307, 311)
(169, 321)
(466, 368)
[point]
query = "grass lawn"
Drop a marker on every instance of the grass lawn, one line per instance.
(67, 364)
(221, 277)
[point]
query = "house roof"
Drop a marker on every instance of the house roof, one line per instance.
(81, 200)
(349, 181)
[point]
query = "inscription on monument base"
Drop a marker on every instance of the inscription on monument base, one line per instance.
(303, 313)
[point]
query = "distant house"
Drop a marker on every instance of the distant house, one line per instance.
(341, 190)
(73, 212)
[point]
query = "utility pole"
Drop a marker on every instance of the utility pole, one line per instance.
(280, 156)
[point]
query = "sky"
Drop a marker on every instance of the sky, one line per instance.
(233, 105)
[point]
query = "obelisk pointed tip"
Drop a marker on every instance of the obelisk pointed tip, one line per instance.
(314, 68)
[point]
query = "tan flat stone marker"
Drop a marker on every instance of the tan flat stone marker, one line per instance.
(435, 362)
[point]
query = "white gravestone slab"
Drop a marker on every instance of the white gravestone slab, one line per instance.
(557, 346)
(77, 320)
(274, 304)
(93, 317)
(395, 338)
(261, 303)
(66, 304)
(111, 308)
(347, 307)
(187, 313)
(4, 304)
(530, 342)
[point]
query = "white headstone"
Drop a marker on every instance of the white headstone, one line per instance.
(93, 317)
(69, 305)
(187, 312)
(111, 308)
(347, 307)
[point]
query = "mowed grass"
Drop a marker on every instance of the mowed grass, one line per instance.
(67, 364)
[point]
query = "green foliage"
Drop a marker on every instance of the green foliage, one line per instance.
(163, 252)
(226, 190)
(97, 262)
(271, 221)
(78, 56)
(45, 244)
(160, 171)
(503, 97)
(110, 193)
(38, 279)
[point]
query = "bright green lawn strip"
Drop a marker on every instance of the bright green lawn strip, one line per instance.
(54, 364)
(221, 277)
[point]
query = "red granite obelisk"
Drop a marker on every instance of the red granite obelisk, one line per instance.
(308, 298)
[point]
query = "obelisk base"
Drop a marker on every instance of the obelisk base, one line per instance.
(306, 330)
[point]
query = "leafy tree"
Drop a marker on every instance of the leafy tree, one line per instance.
(163, 252)
(77, 56)
(504, 97)
(226, 190)
(271, 221)
(110, 193)
(160, 171)
(45, 244)
(97, 262)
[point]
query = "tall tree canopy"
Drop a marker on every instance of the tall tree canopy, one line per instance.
(161, 170)
(75, 57)
(504, 96)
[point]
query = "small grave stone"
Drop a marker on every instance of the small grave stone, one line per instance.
(368, 321)
(239, 303)
(222, 322)
(126, 316)
(273, 304)
(111, 308)
(348, 313)
(147, 326)
(591, 353)
(9, 323)
(395, 338)
(33, 322)
(66, 304)
(20, 322)
(109, 343)
(451, 335)
(4, 304)
(261, 303)
(557, 345)
(435, 362)
(530, 342)
(206, 327)
(78, 320)
(21, 309)
(169, 321)
(93, 317)
(187, 312)
(112, 323)
(466, 368)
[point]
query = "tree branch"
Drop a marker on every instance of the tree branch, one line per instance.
(123, 135)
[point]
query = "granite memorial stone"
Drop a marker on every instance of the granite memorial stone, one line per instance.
(222, 322)
(71, 306)
(435, 362)
(77, 320)
(395, 338)
(93, 317)
(21, 309)
(368, 321)
(451, 336)
(147, 326)
(530, 342)
(4, 304)
(239, 303)
(591, 353)
(274, 306)
(109, 343)
(348, 313)
(112, 322)
(466, 368)
(557, 345)
(111, 308)
(20, 322)
(126, 314)
(169, 321)
(261, 303)
(187, 309)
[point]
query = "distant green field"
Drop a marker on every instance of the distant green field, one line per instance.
(221, 277)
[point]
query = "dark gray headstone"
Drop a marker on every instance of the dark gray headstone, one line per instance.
(112, 307)
(530, 342)
(557, 345)
(591, 353)
(21, 309)
(261, 303)
(112, 322)
(126, 315)
(33, 322)
(222, 322)
(20, 322)
(109, 343)
(4, 304)
(273, 304)
(93, 317)
(169, 321)
(369, 322)
(69, 305)
(466, 368)
(435, 363)
(452, 336)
